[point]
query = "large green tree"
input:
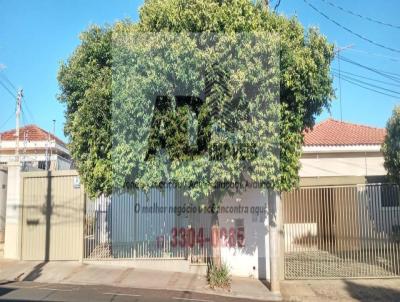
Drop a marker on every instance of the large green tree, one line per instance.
(87, 89)
(391, 146)
(85, 82)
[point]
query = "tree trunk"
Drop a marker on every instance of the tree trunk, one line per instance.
(215, 234)
(215, 241)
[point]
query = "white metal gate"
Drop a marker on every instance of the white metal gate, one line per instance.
(342, 232)
(132, 224)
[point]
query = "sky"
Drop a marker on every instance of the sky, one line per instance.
(37, 35)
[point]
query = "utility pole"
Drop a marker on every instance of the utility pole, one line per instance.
(53, 141)
(17, 115)
(54, 128)
(337, 53)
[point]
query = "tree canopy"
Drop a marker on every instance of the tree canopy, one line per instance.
(95, 89)
(391, 146)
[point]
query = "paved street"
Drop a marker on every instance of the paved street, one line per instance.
(30, 291)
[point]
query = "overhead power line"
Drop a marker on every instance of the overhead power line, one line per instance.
(350, 30)
(25, 105)
(378, 55)
(366, 83)
(360, 16)
(7, 120)
(8, 90)
(371, 89)
(340, 86)
(8, 80)
(366, 78)
(391, 76)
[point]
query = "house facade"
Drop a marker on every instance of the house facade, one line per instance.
(336, 152)
(344, 219)
(38, 149)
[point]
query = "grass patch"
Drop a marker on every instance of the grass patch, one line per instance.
(219, 277)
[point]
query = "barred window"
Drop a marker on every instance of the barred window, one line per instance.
(390, 196)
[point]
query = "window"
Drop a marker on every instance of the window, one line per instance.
(390, 196)
(396, 233)
(44, 165)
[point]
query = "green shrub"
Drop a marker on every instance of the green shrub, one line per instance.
(219, 277)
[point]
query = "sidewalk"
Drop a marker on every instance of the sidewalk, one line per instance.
(91, 274)
(366, 290)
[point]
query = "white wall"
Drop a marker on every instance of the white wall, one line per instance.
(12, 232)
(342, 165)
(296, 231)
(123, 225)
(378, 221)
(3, 202)
(252, 260)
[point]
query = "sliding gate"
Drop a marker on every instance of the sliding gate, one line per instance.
(133, 224)
(342, 232)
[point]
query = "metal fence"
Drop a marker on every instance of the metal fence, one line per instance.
(342, 232)
(136, 225)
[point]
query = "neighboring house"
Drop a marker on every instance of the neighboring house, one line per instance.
(344, 201)
(337, 152)
(38, 149)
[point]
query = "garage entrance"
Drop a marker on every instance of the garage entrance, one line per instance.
(52, 216)
(342, 232)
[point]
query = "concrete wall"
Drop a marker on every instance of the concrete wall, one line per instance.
(3, 202)
(13, 215)
(251, 260)
(342, 164)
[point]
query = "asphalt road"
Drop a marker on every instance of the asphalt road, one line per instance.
(30, 291)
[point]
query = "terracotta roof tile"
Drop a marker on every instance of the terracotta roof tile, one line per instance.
(34, 133)
(336, 133)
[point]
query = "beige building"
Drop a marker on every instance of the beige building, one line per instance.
(344, 203)
(337, 152)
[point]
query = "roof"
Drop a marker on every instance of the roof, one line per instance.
(336, 133)
(34, 133)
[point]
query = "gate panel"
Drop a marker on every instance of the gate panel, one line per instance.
(133, 224)
(52, 216)
(342, 232)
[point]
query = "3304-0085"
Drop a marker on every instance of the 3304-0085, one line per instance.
(190, 237)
